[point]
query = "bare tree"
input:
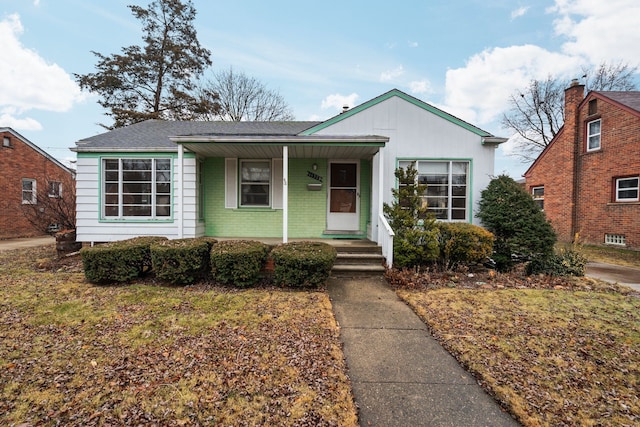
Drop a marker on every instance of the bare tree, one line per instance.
(240, 97)
(536, 114)
(53, 207)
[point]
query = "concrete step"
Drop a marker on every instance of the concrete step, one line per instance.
(352, 270)
(366, 258)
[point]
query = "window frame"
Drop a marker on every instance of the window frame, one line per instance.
(242, 183)
(120, 194)
(537, 198)
(450, 197)
(53, 192)
(591, 136)
(6, 142)
(33, 191)
(617, 189)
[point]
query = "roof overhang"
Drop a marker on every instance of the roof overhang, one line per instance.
(493, 140)
(256, 146)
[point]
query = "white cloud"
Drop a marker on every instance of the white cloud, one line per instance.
(413, 44)
(386, 76)
(599, 30)
(338, 101)
(36, 3)
(420, 86)
(8, 119)
(521, 11)
(28, 82)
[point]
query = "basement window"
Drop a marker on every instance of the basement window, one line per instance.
(615, 239)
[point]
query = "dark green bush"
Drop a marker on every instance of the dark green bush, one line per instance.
(416, 234)
(566, 262)
(119, 261)
(463, 244)
(299, 264)
(181, 261)
(520, 228)
(238, 262)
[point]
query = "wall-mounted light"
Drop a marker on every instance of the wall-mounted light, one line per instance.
(314, 166)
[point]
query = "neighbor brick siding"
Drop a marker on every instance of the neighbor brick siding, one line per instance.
(590, 209)
(19, 161)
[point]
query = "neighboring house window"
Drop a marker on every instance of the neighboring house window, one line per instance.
(615, 239)
(29, 195)
(593, 107)
(593, 135)
(538, 196)
(255, 183)
(6, 141)
(627, 189)
(447, 187)
(55, 189)
(135, 188)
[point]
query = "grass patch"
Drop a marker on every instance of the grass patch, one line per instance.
(73, 353)
(553, 357)
(610, 255)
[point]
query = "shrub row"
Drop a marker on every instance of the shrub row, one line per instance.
(185, 261)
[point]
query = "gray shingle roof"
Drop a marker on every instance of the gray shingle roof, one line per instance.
(629, 98)
(154, 134)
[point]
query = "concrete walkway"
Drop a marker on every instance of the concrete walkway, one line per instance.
(614, 274)
(401, 376)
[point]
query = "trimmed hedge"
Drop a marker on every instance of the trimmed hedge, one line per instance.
(119, 261)
(238, 262)
(181, 261)
(463, 244)
(299, 264)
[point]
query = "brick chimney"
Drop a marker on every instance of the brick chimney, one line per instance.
(573, 96)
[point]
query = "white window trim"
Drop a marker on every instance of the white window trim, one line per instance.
(270, 183)
(618, 189)
(57, 195)
(590, 135)
(34, 192)
(153, 193)
(538, 198)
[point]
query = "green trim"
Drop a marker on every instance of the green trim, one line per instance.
(446, 159)
(404, 96)
(101, 219)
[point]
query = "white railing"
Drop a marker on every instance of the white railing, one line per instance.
(385, 239)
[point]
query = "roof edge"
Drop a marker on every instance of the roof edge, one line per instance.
(37, 149)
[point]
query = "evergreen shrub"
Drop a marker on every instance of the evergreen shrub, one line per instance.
(565, 262)
(238, 262)
(180, 261)
(302, 264)
(119, 261)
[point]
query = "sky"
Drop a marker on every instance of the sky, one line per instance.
(463, 56)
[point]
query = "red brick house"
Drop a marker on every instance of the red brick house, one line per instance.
(587, 178)
(28, 174)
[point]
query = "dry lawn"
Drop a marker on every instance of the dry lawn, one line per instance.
(554, 352)
(73, 354)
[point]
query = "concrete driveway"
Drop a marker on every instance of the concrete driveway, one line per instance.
(614, 274)
(27, 242)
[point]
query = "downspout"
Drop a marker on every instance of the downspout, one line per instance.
(180, 191)
(285, 193)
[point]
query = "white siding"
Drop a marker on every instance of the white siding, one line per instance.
(415, 133)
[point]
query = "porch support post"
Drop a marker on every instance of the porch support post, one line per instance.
(180, 191)
(285, 193)
(380, 174)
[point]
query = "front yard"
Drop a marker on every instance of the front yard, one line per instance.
(555, 352)
(72, 353)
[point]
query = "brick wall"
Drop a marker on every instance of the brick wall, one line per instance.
(588, 208)
(597, 213)
(20, 161)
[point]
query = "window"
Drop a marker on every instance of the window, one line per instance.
(447, 186)
(55, 189)
(627, 189)
(6, 141)
(29, 195)
(615, 239)
(134, 188)
(593, 107)
(538, 196)
(255, 183)
(593, 135)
